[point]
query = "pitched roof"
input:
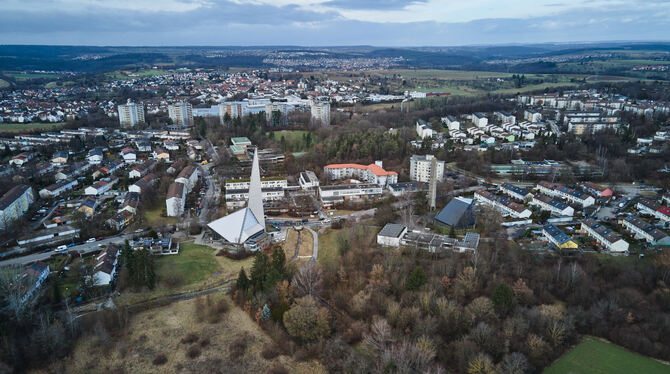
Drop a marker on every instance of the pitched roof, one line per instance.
(457, 213)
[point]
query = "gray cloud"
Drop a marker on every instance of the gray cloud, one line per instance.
(229, 23)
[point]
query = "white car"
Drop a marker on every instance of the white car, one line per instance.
(61, 247)
(91, 240)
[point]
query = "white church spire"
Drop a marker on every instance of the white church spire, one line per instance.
(255, 192)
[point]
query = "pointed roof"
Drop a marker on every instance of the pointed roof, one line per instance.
(255, 192)
(237, 227)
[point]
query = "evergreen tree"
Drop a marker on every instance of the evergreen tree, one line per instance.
(259, 271)
(416, 279)
(242, 280)
(503, 299)
(279, 260)
(266, 314)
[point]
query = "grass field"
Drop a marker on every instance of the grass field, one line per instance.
(28, 127)
(329, 251)
(23, 76)
(154, 217)
(194, 264)
(3, 83)
(160, 331)
(593, 356)
(306, 243)
(195, 267)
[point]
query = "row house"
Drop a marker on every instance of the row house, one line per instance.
(502, 204)
(515, 192)
(654, 209)
(189, 177)
(604, 236)
(644, 230)
(57, 188)
(557, 207)
(100, 187)
(570, 194)
(558, 238)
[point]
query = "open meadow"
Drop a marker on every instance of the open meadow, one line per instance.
(595, 356)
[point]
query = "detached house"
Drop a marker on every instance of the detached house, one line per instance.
(105, 266)
(129, 155)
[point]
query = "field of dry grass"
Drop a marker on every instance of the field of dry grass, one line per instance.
(306, 244)
(173, 339)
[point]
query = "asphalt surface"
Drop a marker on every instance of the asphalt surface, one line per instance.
(83, 249)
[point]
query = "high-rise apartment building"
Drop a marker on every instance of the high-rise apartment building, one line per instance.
(321, 112)
(420, 168)
(181, 113)
(131, 114)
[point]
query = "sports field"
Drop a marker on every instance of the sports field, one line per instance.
(594, 356)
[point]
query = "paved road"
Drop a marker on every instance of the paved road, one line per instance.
(83, 248)
(315, 252)
(209, 199)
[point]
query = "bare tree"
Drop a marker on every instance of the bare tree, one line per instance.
(308, 280)
(13, 285)
(514, 363)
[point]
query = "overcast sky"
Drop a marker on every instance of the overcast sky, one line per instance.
(329, 22)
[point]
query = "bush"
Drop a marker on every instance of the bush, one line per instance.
(270, 351)
(160, 360)
(204, 342)
(278, 369)
(193, 352)
(238, 347)
(211, 308)
(416, 279)
(189, 338)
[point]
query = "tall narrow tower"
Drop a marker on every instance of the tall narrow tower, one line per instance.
(255, 192)
(432, 184)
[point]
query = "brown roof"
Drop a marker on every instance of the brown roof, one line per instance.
(10, 196)
(176, 190)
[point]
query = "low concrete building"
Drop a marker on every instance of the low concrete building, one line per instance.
(391, 234)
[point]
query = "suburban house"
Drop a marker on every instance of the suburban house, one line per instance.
(143, 184)
(554, 206)
(644, 230)
(604, 236)
(105, 265)
(94, 156)
(88, 205)
(60, 157)
(515, 192)
(32, 279)
(189, 177)
(129, 155)
(502, 204)
(57, 188)
(558, 238)
(101, 186)
(176, 199)
(161, 154)
(597, 190)
(654, 209)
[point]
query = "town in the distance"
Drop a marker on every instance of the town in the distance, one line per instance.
(339, 216)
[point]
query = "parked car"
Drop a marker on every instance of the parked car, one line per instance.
(61, 248)
(91, 240)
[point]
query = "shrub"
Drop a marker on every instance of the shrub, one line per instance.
(193, 351)
(270, 351)
(160, 360)
(278, 369)
(189, 338)
(238, 347)
(210, 309)
(204, 342)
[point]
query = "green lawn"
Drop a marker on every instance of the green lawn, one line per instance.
(23, 76)
(593, 356)
(154, 217)
(21, 127)
(194, 263)
(3, 83)
(290, 135)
